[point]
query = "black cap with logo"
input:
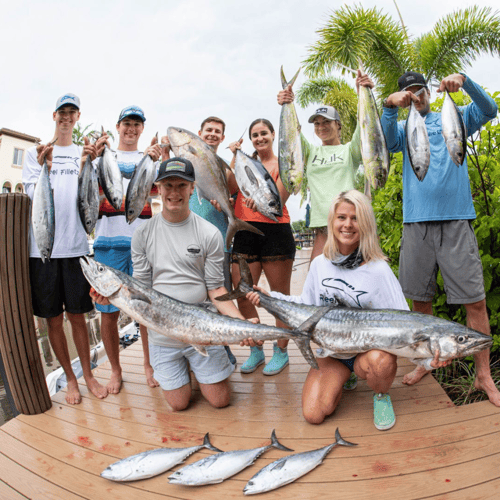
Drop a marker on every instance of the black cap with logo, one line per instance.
(176, 167)
(411, 78)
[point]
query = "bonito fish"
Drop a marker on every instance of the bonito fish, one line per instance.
(187, 323)
(211, 182)
(139, 188)
(290, 154)
(374, 150)
(255, 182)
(151, 463)
(453, 130)
(417, 143)
(216, 468)
(88, 196)
(289, 468)
(43, 214)
(110, 178)
(344, 332)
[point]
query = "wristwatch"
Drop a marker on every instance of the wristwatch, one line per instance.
(388, 106)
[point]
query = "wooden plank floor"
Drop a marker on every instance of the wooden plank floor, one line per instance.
(435, 450)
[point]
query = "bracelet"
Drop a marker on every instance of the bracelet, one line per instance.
(388, 106)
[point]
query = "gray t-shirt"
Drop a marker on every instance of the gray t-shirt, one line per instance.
(182, 260)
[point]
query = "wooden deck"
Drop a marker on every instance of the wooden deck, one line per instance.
(435, 450)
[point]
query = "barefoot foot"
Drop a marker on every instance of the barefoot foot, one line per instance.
(115, 383)
(73, 396)
(415, 376)
(487, 385)
(96, 388)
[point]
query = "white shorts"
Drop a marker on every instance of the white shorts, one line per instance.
(171, 365)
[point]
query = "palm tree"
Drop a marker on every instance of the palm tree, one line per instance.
(354, 34)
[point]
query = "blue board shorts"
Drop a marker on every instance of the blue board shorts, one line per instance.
(117, 258)
(171, 365)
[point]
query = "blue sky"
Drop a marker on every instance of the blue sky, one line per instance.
(179, 61)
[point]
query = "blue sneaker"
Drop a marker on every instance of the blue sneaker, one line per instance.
(351, 383)
(278, 361)
(383, 413)
(257, 358)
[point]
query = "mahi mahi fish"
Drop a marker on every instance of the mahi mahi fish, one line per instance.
(374, 150)
(88, 196)
(344, 331)
(255, 182)
(289, 468)
(187, 323)
(453, 130)
(139, 188)
(110, 177)
(290, 154)
(43, 214)
(417, 143)
(216, 468)
(152, 462)
(211, 182)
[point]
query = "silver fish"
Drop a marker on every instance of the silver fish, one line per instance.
(43, 214)
(110, 178)
(216, 468)
(211, 182)
(290, 154)
(187, 323)
(255, 182)
(151, 463)
(374, 150)
(417, 143)
(289, 468)
(345, 331)
(139, 188)
(88, 196)
(453, 130)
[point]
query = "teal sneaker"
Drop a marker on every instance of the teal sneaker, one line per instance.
(352, 383)
(383, 413)
(257, 357)
(278, 361)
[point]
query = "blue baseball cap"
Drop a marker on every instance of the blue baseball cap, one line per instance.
(68, 99)
(132, 111)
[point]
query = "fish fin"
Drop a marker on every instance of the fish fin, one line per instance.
(310, 323)
(239, 225)
(235, 294)
(339, 440)
(280, 464)
(421, 337)
(209, 445)
(414, 139)
(200, 197)
(340, 301)
(251, 176)
(277, 444)
(138, 295)
(304, 345)
(200, 349)
(208, 306)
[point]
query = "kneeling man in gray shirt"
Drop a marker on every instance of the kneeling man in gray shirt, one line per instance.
(181, 255)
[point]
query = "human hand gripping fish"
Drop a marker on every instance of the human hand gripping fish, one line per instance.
(44, 153)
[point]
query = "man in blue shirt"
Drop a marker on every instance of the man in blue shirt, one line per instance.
(437, 233)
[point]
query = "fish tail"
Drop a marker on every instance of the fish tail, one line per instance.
(340, 441)
(209, 445)
(244, 286)
(236, 225)
(304, 345)
(276, 444)
(284, 83)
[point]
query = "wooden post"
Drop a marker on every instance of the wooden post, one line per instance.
(18, 343)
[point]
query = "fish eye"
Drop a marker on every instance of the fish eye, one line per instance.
(272, 203)
(461, 339)
(250, 483)
(100, 268)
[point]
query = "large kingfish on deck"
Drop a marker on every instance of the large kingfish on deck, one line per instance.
(211, 182)
(216, 468)
(290, 154)
(43, 214)
(152, 462)
(255, 182)
(344, 332)
(453, 130)
(88, 196)
(188, 323)
(289, 468)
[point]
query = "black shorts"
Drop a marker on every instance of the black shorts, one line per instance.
(59, 285)
(276, 244)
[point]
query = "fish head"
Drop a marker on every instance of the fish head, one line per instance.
(119, 471)
(178, 136)
(177, 478)
(101, 277)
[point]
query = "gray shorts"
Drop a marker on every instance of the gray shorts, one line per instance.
(448, 246)
(171, 365)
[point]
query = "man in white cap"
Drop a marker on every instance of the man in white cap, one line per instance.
(58, 285)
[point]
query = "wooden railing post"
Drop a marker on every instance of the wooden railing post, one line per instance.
(18, 343)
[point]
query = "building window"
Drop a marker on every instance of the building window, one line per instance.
(7, 188)
(18, 157)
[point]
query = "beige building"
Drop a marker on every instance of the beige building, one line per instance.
(13, 147)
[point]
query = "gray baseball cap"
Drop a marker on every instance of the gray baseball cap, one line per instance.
(329, 112)
(68, 99)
